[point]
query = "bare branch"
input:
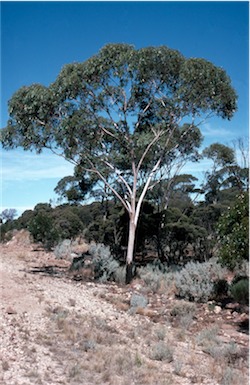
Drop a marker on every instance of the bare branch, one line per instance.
(107, 131)
(125, 203)
(61, 155)
(119, 176)
(40, 121)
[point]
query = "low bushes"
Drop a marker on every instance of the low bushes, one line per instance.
(100, 261)
(196, 281)
(240, 290)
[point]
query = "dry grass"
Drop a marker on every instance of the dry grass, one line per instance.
(99, 354)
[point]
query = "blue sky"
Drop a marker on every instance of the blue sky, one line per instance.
(38, 38)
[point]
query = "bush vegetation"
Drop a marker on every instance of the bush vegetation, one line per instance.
(196, 281)
(240, 290)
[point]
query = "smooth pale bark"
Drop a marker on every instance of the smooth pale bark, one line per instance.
(133, 217)
(130, 251)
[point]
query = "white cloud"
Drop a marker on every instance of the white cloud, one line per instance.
(197, 169)
(216, 132)
(21, 166)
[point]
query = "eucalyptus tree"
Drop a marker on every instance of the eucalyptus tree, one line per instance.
(226, 173)
(122, 117)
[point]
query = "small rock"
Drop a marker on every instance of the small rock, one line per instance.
(10, 310)
(232, 306)
(217, 309)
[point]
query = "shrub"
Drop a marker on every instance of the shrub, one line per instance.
(240, 291)
(153, 274)
(195, 281)
(120, 275)
(184, 313)
(105, 265)
(208, 336)
(63, 249)
(138, 300)
(243, 269)
(162, 352)
(231, 377)
(160, 333)
(183, 308)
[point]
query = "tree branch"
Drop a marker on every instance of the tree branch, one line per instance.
(119, 176)
(125, 203)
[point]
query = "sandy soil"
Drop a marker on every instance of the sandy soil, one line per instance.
(58, 331)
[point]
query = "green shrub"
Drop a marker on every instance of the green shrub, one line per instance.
(240, 291)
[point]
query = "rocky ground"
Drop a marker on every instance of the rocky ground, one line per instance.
(55, 330)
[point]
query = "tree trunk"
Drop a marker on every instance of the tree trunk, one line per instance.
(130, 251)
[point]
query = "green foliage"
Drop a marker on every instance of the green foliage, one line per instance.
(221, 155)
(7, 223)
(226, 178)
(67, 223)
(178, 231)
(164, 87)
(240, 291)
(42, 229)
(233, 231)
